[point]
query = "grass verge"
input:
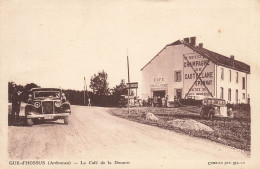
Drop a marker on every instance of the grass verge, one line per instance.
(231, 132)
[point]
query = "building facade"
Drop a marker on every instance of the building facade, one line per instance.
(184, 70)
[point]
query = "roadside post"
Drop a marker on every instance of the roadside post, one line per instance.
(128, 82)
(84, 91)
(129, 85)
(133, 85)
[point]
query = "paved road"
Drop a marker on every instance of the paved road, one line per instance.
(95, 134)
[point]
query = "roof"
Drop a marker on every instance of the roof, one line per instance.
(212, 56)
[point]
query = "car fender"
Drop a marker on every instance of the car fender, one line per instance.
(65, 107)
(30, 108)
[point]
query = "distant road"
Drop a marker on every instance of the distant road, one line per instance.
(95, 134)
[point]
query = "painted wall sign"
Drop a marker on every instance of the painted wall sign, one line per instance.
(198, 75)
(159, 83)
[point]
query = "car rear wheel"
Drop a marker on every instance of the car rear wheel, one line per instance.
(66, 120)
(211, 114)
(201, 112)
(29, 122)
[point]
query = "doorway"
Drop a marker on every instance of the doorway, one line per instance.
(160, 93)
(179, 93)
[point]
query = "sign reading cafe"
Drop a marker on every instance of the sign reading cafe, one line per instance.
(159, 83)
(198, 75)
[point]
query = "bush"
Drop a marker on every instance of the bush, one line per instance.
(241, 106)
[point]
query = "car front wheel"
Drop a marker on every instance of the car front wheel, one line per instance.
(29, 122)
(66, 120)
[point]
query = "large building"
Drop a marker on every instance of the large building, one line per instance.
(183, 69)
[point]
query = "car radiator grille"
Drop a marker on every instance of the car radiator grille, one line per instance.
(47, 107)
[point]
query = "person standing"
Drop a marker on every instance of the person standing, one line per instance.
(230, 113)
(159, 102)
(63, 97)
(30, 99)
(89, 104)
(16, 104)
(148, 102)
(163, 101)
(166, 100)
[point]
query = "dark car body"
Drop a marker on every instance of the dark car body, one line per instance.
(123, 102)
(47, 104)
(213, 107)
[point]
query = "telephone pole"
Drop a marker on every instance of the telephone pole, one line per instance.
(128, 80)
(84, 91)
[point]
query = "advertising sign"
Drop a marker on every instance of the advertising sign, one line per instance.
(198, 75)
(133, 85)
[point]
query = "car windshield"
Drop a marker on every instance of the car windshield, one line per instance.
(215, 102)
(49, 94)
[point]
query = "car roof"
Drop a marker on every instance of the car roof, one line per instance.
(197, 97)
(213, 99)
(45, 89)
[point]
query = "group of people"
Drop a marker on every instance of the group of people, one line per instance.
(156, 101)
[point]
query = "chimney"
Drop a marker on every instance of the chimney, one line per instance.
(187, 40)
(232, 60)
(201, 45)
(193, 41)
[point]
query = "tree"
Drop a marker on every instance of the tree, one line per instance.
(11, 88)
(120, 89)
(29, 86)
(99, 84)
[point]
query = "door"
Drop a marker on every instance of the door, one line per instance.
(178, 93)
(160, 93)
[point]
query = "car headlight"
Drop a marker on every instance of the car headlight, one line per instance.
(37, 104)
(57, 104)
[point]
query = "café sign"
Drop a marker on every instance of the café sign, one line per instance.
(159, 82)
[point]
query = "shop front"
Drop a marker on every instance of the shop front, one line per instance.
(159, 88)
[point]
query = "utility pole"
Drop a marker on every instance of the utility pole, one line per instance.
(84, 91)
(128, 80)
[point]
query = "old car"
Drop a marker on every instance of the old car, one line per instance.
(214, 107)
(133, 101)
(47, 104)
(122, 101)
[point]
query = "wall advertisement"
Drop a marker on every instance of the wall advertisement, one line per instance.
(198, 74)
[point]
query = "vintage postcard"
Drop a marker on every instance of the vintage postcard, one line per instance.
(129, 84)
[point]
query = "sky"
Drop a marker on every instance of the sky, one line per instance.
(58, 43)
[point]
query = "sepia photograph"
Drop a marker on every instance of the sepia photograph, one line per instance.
(129, 84)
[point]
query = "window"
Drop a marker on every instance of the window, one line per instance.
(221, 93)
(236, 96)
(222, 74)
(244, 96)
(230, 75)
(237, 77)
(243, 83)
(229, 94)
(178, 76)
